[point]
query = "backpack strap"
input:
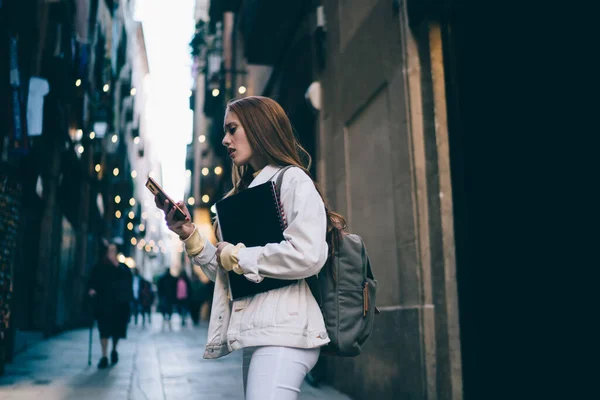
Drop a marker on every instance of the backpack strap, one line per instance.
(279, 181)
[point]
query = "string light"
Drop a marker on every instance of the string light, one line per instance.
(133, 174)
(130, 226)
(133, 241)
(142, 228)
(136, 140)
(116, 171)
(191, 201)
(205, 171)
(218, 170)
(205, 198)
(92, 134)
(242, 89)
(132, 202)
(118, 214)
(131, 215)
(117, 199)
(114, 138)
(106, 88)
(133, 91)
(202, 138)
(215, 92)
(97, 167)
(78, 82)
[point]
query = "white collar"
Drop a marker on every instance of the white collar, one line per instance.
(265, 175)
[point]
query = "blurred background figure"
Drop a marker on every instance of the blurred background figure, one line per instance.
(202, 291)
(195, 298)
(146, 302)
(166, 295)
(143, 297)
(112, 289)
(182, 294)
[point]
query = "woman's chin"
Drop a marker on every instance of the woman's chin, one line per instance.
(239, 163)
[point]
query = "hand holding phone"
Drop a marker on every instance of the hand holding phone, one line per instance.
(162, 196)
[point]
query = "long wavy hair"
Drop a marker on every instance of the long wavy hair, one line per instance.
(271, 136)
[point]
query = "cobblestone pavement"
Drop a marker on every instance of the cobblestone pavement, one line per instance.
(155, 363)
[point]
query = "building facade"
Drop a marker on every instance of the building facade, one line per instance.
(73, 142)
(371, 91)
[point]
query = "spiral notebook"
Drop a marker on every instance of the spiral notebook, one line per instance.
(253, 217)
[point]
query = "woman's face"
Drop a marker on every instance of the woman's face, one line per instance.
(237, 143)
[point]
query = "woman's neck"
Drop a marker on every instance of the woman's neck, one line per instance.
(258, 163)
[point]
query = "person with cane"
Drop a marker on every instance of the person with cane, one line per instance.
(112, 291)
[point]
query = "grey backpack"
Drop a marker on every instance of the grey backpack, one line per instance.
(345, 289)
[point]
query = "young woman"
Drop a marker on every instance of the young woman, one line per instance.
(280, 331)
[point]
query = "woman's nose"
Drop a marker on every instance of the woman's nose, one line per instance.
(226, 141)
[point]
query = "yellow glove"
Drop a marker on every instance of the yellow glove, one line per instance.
(229, 258)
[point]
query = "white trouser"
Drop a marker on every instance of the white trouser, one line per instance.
(276, 373)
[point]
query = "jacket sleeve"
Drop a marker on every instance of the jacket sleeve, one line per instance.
(304, 250)
(203, 253)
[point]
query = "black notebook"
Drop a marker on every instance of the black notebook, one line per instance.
(253, 217)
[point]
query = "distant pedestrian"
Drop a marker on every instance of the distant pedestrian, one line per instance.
(202, 293)
(143, 297)
(146, 301)
(135, 302)
(182, 294)
(166, 294)
(111, 287)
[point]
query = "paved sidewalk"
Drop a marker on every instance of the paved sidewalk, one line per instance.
(154, 364)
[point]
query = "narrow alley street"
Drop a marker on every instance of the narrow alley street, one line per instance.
(155, 363)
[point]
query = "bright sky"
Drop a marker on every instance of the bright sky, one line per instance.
(168, 29)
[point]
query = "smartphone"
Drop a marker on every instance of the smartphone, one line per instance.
(162, 196)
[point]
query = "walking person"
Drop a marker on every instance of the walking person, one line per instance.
(182, 295)
(200, 295)
(146, 301)
(135, 303)
(166, 295)
(111, 287)
(282, 330)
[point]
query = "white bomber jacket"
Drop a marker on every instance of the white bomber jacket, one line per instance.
(289, 316)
